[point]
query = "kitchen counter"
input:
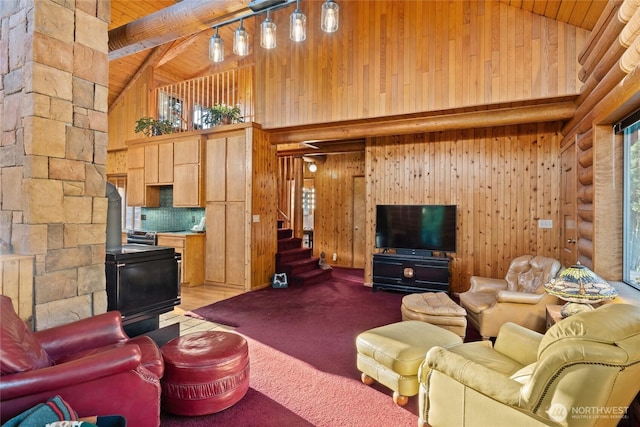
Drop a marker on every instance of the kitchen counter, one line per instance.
(191, 245)
(181, 233)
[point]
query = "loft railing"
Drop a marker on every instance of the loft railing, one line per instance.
(184, 103)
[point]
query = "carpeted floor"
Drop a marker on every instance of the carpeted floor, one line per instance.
(303, 357)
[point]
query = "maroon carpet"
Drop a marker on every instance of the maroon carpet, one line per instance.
(303, 356)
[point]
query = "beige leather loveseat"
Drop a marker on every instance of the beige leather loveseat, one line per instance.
(583, 372)
(519, 297)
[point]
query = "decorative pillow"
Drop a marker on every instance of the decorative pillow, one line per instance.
(529, 281)
(19, 349)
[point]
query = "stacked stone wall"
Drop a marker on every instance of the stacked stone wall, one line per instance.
(53, 149)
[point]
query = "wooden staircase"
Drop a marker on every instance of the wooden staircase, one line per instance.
(298, 262)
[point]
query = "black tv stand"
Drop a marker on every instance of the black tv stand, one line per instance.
(415, 252)
(410, 273)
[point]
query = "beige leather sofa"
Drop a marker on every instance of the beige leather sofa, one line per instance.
(583, 372)
(519, 297)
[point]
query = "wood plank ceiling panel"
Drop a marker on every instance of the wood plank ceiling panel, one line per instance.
(192, 61)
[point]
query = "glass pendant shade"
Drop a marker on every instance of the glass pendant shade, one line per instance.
(268, 33)
(216, 48)
(298, 30)
(330, 15)
(241, 41)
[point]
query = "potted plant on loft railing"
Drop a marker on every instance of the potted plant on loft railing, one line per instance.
(153, 127)
(222, 114)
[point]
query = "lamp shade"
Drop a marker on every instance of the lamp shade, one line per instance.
(268, 33)
(330, 15)
(241, 41)
(298, 26)
(580, 285)
(216, 48)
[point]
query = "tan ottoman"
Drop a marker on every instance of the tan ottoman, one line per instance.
(435, 308)
(392, 354)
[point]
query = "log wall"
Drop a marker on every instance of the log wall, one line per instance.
(611, 92)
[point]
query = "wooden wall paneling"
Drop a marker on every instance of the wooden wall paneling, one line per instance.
(471, 53)
(117, 162)
(264, 205)
(333, 181)
(16, 282)
(122, 117)
(502, 180)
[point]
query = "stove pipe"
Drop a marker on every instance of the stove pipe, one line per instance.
(114, 218)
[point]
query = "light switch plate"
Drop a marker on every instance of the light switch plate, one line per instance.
(256, 218)
(545, 223)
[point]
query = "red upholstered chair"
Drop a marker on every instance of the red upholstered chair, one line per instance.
(91, 363)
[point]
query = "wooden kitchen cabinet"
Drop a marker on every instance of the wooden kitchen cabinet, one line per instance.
(135, 176)
(186, 185)
(191, 247)
(166, 160)
(187, 173)
(240, 182)
(158, 164)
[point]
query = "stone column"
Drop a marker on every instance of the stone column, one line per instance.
(53, 94)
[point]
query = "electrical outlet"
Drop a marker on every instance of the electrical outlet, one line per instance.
(193, 219)
(335, 256)
(545, 223)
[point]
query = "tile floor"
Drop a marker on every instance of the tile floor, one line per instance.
(189, 324)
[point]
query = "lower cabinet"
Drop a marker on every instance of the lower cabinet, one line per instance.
(409, 273)
(191, 247)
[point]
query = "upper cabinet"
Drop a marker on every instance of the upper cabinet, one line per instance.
(158, 164)
(187, 173)
(167, 160)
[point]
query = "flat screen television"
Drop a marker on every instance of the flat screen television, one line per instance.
(416, 227)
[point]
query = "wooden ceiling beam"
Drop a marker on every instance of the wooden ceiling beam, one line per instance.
(151, 61)
(178, 47)
(171, 23)
(478, 117)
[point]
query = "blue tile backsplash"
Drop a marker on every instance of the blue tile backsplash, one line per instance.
(167, 218)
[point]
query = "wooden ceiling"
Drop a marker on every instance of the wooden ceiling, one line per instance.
(187, 57)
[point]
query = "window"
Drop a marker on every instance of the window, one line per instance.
(131, 215)
(198, 117)
(630, 127)
(170, 108)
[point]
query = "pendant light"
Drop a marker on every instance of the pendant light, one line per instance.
(216, 48)
(298, 30)
(241, 41)
(268, 33)
(330, 14)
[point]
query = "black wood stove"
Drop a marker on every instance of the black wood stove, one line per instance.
(143, 282)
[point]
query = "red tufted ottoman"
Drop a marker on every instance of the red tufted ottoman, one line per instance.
(205, 372)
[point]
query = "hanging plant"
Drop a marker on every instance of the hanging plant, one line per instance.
(153, 127)
(222, 114)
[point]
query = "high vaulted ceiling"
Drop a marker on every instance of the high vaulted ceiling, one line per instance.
(187, 57)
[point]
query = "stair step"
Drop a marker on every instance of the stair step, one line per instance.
(284, 233)
(310, 277)
(298, 267)
(291, 255)
(289, 243)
